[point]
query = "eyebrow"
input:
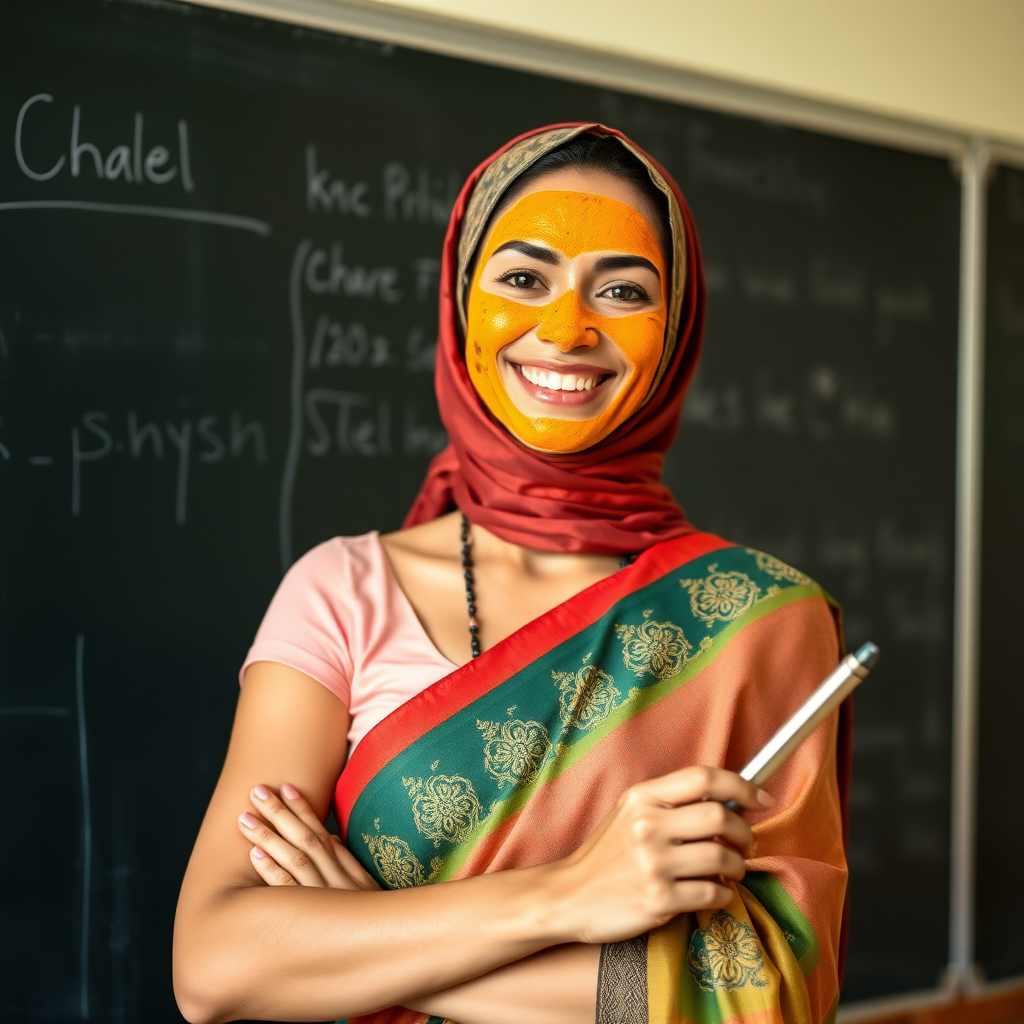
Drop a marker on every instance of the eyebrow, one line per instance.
(624, 263)
(535, 252)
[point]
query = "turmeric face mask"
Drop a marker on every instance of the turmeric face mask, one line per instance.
(566, 318)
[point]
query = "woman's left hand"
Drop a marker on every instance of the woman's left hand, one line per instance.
(292, 847)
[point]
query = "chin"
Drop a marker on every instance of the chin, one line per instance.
(542, 441)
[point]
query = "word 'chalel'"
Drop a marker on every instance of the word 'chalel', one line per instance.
(124, 161)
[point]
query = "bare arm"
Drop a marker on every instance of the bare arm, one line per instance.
(555, 986)
(243, 949)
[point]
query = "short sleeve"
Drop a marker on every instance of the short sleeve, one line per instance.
(308, 623)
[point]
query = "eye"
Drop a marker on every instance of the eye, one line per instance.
(521, 280)
(624, 293)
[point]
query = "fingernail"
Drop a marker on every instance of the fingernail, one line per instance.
(258, 853)
(290, 792)
(261, 792)
(764, 799)
(249, 820)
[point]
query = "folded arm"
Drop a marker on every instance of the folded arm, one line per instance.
(243, 949)
(297, 952)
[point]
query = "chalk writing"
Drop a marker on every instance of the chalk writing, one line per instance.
(324, 193)
(336, 344)
(93, 438)
(766, 175)
(420, 196)
(327, 273)
(902, 305)
(361, 426)
(825, 405)
(124, 162)
(427, 275)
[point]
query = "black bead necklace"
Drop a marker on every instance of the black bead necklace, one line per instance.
(467, 575)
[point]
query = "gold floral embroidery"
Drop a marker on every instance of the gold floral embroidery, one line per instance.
(654, 648)
(395, 862)
(779, 570)
(444, 807)
(726, 954)
(585, 697)
(721, 596)
(514, 750)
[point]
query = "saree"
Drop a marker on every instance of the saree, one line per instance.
(694, 654)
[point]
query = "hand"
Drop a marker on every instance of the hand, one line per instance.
(667, 847)
(292, 847)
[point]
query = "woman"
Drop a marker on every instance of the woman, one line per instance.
(564, 790)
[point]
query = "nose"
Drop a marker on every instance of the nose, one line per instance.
(568, 323)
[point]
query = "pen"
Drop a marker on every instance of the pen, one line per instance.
(838, 685)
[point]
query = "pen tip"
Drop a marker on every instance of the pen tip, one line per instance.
(867, 655)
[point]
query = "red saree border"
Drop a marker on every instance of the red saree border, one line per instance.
(469, 682)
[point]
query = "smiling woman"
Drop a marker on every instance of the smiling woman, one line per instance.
(529, 704)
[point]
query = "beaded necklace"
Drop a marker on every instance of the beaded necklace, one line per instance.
(467, 575)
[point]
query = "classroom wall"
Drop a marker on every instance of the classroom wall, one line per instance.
(953, 63)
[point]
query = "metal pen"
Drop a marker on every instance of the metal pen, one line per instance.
(838, 685)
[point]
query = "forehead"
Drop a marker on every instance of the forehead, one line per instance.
(595, 182)
(576, 221)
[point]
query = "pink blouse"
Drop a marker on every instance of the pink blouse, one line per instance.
(340, 616)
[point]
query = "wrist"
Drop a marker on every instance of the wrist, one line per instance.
(552, 903)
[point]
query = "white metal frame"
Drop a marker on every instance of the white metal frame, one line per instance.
(983, 157)
(452, 37)
(967, 581)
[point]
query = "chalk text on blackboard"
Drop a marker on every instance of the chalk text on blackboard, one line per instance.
(337, 344)
(333, 194)
(93, 438)
(426, 200)
(123, 162)
(359, 427)
(328, 273)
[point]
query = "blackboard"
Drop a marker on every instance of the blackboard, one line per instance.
(1000, 945)
(195, 391)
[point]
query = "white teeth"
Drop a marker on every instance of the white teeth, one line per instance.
(558, 381)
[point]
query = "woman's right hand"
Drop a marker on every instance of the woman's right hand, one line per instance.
(657, 854)
(292, 847)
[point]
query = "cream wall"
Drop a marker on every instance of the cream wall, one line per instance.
(953, 63)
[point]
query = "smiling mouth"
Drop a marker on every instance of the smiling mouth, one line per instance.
(582, 387)
(553, 380)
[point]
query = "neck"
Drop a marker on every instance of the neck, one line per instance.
(488, 547)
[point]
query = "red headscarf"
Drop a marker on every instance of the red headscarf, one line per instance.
(608, 499)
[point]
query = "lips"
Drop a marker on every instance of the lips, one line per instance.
(571, 384)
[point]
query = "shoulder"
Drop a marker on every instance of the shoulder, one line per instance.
(437, 537)
(333, 559)
(773, 572)
(725, 562)
(324, 583)
(782, 629)
(732, 582)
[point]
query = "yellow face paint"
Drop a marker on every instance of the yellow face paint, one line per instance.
(569, 223)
